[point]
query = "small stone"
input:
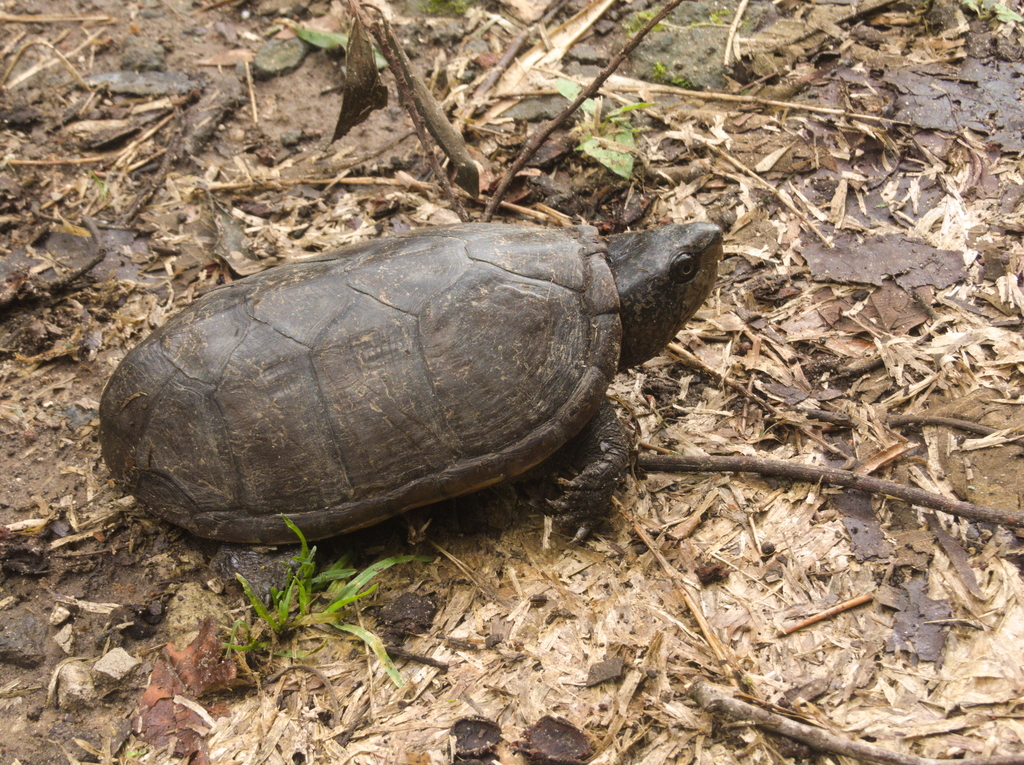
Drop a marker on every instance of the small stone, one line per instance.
(190, 605)
(66, 639)
(143, 55)
(537, 108)
(75, 686)
(278, 57)
(116, 665)
(555, 739)
(609, 669)
(475, 737)
(272, 8)
(59, 615)
(588, 54)
(291, 137)
(408, 614)
(262, 568)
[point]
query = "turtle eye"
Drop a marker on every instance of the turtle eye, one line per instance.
(684, 268)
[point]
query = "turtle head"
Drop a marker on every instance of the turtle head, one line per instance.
(663, 276)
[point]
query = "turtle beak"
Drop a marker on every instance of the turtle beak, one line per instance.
(703, 237)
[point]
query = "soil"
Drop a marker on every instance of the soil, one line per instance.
(521, 614)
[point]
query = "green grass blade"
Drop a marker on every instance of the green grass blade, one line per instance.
(377, 646)
(257, 603)
(351, 591)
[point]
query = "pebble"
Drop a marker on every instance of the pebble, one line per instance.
(65, 638)
(115, 665)
(279, 57)
(143, 55)
(75, 686)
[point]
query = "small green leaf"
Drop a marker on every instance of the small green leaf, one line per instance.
(251, 644)
(257, 602)
(628, 108)
(619, 162)
(567, 88)
(570, 91)
(1006, 15)
(320, 38)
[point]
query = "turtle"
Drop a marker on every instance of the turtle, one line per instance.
(346, 388)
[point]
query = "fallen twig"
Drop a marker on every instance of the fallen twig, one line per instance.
(717, 699)
(734, 27)
(949, 422)
(695, 361)
(503, 64)
(54, 18)
(833, 477)
(830, 612)
(60, 56)
(401, 653)
(512, 51)
(64, 161)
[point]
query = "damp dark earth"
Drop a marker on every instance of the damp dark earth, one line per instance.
(863, 161)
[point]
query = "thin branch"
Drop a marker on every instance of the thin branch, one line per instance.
(400, 653)
(949, 422)
(730, 41)
(381, 34)
(63, 59)
(513, 50)
(718, 700)
(545, 132)
(503, 64)
(627, 86)
(827, 614)
(831, 477)
(57, 18)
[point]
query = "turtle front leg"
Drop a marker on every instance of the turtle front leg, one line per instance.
(599, 456)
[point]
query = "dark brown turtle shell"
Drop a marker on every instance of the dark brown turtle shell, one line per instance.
(348, 388)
